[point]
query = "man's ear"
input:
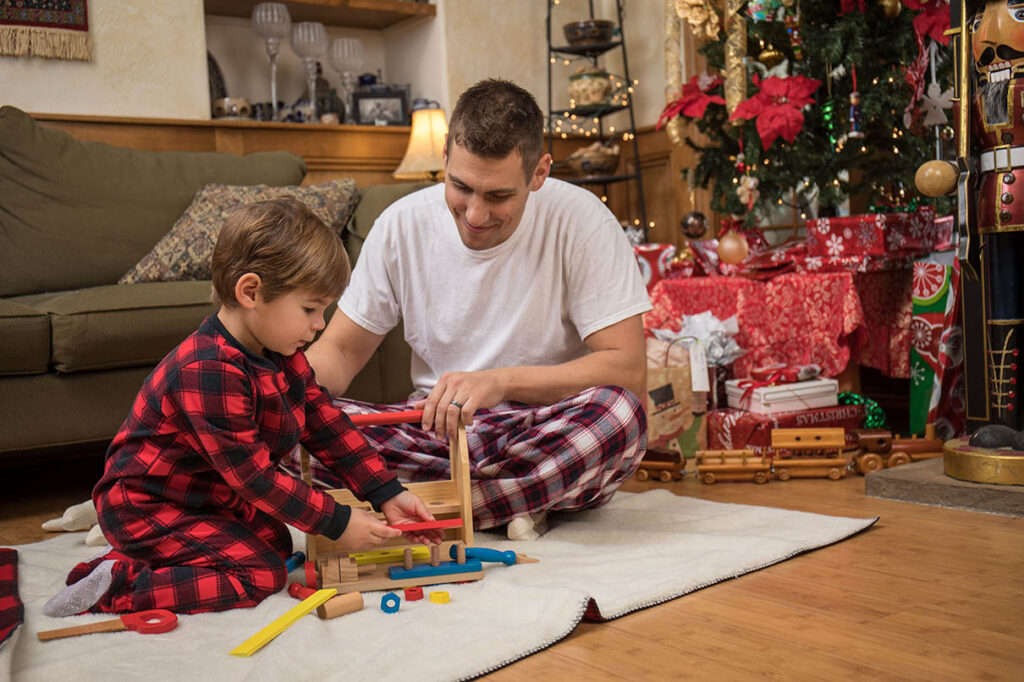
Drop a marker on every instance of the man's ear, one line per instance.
(541, 172)
(246, 289)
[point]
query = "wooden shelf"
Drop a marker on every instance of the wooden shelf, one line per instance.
(373, 14)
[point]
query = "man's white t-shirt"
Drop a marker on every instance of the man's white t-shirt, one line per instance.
(566, 272)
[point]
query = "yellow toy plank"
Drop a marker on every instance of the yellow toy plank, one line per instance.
(386, 556)
(261, 638)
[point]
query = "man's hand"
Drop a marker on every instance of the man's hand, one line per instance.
(406, 507)
(364, 530)
(459, 395)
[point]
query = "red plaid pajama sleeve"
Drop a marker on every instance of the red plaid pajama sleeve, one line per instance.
(12, 611)
(568, 456)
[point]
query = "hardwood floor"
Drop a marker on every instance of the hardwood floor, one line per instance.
(925, 594)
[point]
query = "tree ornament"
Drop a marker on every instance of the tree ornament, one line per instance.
(747, 191)
(732, 248)
(856, 127)
(701, 15)
(828, 115)
(936, 178)
(947, 133)
(890, 8)
(770, 57)
(796, 43)
(694, 225)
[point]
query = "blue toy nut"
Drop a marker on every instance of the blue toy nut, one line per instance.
(389, 603)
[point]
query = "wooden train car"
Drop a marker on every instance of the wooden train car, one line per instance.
(879, 449)
(732, 465)
(664, 465)
(809, 453)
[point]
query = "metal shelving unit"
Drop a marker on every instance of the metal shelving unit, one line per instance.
(598, 111)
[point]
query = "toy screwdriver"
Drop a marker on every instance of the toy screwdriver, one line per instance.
(484, 554)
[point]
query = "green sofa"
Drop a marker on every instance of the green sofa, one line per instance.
(75, 346)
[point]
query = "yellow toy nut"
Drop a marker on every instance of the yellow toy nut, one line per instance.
(440, 597)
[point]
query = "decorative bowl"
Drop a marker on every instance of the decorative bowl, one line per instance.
(590, 87)
(588, 32)
(593, 163)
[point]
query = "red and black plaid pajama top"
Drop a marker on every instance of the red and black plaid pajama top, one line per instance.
(192, 499)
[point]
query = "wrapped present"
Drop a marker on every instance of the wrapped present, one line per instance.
(873, 234)
(654, 261)
(936, 348)
(733, 429)
(771, 397)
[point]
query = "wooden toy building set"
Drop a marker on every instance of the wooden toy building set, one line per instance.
(397, 563)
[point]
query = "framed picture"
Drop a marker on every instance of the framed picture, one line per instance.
(381, 107)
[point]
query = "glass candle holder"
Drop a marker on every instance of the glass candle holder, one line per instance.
(271, 22)
(309, 40)
(346, 57)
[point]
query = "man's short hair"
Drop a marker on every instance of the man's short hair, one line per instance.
(496, 117)
(283, 242)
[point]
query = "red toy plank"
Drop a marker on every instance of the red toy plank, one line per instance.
(427, 525)
(381, 418)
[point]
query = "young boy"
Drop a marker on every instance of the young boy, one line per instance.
(192, 499)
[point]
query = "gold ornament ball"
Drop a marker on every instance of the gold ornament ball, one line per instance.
(770, 57)
(732, 248)
(936, 178)
(947, 133)
(890, 8)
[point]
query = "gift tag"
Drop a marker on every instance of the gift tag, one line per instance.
(699, 368)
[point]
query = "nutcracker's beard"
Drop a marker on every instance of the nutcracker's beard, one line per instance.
(994, 98)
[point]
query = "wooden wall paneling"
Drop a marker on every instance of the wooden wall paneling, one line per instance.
(369, 154)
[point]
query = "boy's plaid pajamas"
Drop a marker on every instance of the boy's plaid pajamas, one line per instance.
(568, 456)
(192, 499)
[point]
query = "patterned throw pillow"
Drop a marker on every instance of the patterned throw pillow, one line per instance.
(185, 252)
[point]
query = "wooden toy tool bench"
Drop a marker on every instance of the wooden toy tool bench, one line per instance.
(371, 568)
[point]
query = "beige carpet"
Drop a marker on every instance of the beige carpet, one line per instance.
(638, 551)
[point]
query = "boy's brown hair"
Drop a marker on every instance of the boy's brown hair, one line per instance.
(283, 242)
(496, 117)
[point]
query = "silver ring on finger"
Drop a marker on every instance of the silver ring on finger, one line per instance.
(456, 403)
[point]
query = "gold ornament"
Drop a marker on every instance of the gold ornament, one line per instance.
(732, 248)
(770, 57)
(890, 8)
(936, 178)
(701, 15)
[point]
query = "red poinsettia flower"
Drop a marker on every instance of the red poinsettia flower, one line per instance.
(933, 21)
(847, 6)
(694, 100)
(777, 107)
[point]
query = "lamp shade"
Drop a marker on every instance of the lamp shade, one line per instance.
(423, 157)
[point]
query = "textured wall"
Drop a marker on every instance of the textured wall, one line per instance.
(149, 60)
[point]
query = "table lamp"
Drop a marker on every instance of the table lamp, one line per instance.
(423, 157)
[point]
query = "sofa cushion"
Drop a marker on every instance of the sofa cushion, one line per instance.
(118, 325)
(24, 339)
(186, 251)
(372, 201)
(76, 214)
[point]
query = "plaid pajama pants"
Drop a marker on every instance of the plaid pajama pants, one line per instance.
(172, 558)
(563, 457)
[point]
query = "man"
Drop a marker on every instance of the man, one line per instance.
(521, 301)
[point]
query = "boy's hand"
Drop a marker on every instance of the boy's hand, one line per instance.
(406, 507)
(364, 530)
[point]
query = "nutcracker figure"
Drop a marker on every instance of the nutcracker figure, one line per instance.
(989, 181)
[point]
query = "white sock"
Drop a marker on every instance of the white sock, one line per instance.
(528, 526)
(95, 538)
(76, 517)
(83, 594)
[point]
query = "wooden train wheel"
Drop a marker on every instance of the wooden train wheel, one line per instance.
(782, 474)
(760, 477)
(869, 462)
(708, 478)
(835, 473)
(665, 476)
(642, 475)
(899, 457)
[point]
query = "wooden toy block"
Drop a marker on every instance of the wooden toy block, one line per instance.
(450, 503)
(732, 465)
(444, 568)
(261, 638)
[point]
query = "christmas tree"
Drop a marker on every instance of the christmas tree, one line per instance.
(831, 99)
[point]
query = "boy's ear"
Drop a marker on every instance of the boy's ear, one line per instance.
(246, 289)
